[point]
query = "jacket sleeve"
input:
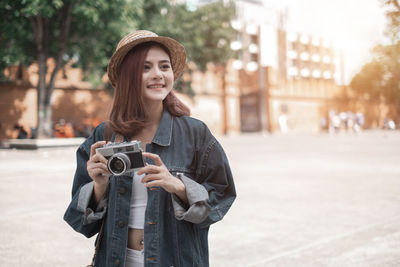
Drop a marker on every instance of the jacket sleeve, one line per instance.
(197, 196)
(210, 196)
(216, 177)
(82, 214)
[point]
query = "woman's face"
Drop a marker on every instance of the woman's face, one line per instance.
(158, 76)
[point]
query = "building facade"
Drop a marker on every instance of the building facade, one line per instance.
(288, 81)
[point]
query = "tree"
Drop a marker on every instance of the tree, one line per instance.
(393, 15)
(389, 55)
(36, 30)
(380, 79)
(367, 86)
(369, 81)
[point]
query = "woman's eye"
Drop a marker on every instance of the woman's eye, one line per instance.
(165, 66)
(146, 67)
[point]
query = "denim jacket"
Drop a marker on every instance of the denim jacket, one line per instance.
(175, 234)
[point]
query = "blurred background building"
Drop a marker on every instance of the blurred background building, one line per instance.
(279, 81)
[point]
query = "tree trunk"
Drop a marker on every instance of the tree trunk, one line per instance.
(61, 44)
(39, 25)
(44, 111)
(41, 28)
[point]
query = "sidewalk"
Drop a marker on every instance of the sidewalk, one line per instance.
(42, 143)
(303, 201)
(72, 142)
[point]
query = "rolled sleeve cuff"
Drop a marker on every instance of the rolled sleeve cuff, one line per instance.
(85, 196)
(197, 197)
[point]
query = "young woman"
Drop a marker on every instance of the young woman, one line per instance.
(158, 215)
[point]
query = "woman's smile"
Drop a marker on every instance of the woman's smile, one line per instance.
(156, 86)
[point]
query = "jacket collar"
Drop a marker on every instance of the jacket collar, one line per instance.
(164, 131)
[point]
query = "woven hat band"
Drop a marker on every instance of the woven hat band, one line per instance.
(129, 39)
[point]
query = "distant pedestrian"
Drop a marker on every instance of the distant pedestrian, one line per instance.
(21, 132)
(322, 124)
(283, 123)
(158, 215)
(64, 129)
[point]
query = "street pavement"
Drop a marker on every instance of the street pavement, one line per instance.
(303, 200)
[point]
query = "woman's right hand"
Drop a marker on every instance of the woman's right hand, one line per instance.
(98, 171)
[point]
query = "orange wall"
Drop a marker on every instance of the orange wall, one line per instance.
(18, 104)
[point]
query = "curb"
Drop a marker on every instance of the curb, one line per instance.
(41, 143)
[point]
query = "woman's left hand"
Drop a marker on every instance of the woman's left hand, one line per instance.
(158, 175)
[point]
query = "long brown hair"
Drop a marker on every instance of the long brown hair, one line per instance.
(129, 114)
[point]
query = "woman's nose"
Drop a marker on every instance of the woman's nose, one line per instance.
(157, 74)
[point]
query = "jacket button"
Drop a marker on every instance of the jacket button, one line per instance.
(122, 190)
(116, 262)
(121, 224)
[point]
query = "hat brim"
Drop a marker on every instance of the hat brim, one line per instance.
(176, 51)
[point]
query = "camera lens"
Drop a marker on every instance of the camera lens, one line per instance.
(118, 164)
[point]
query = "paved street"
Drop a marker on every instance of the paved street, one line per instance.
(303, 200)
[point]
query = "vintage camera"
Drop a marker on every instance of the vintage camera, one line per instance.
(122, 157)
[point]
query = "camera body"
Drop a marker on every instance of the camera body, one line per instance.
(122, 157)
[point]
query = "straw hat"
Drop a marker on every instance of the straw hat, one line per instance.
(176, 51)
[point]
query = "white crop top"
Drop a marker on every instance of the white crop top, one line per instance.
(138, 203)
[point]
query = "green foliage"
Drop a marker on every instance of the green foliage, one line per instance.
(85, 31)
(205, 32)
(16, 37)
(46, 9)
(96, 27)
